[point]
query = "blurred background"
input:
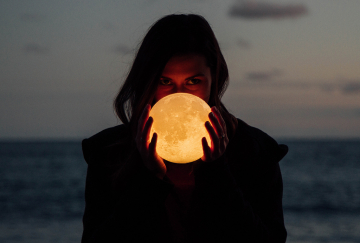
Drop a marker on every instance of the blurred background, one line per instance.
(293, 73)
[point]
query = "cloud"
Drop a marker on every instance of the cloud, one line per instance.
(351, 87)
(33, 48)
(347, 86)
(261, 10)
(268, 79)
(32, 17)
(243, 43)
(263, 75)
(122, 49)
(109, 26)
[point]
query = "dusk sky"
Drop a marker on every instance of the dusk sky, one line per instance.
(294, 64)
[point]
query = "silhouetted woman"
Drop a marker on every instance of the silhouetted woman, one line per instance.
(232, 194)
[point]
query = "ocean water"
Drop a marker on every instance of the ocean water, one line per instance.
(42, 191)
(322, 191)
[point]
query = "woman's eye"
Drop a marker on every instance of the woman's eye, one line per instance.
(165, 82)
(194, 81)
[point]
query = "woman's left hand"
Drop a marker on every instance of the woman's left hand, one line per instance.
(218, 135)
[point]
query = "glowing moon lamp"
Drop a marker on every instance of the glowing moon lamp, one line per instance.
(179, 121)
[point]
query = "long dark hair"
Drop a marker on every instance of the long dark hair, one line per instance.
(172, 35)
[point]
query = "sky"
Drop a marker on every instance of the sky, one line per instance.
(293, 64)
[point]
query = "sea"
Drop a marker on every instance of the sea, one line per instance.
(42, 191)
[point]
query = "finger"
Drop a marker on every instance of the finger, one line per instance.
(219, 117)
(214, 138)
(146, 132)
(143, 119)
(206, 150)
(216, 124)
(152, 145)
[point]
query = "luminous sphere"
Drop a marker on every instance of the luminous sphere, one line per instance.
(179, 121)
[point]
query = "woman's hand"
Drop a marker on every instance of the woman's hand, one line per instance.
(218, 135)
(147, 149)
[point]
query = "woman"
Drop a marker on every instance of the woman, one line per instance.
(232, 194)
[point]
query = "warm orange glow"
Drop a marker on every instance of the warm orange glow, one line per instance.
(179, 121)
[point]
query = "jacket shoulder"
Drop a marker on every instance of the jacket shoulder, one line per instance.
(259, 144)
(94, 146)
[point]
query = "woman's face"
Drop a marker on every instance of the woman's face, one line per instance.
(185, 74)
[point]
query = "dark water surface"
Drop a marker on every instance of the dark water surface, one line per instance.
(322, 190)
(42, 191)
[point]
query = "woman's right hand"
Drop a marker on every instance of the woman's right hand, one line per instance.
(147, 149)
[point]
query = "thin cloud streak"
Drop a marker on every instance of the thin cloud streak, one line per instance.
(269, 80)
(243, 43)
(262, 10)
(352, 87)
(109, 26)
(33, 48)
(122, 49)
(263, 75)
(32, 17)
(346, 87)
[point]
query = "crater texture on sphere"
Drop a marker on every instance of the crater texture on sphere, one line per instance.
(179, 122)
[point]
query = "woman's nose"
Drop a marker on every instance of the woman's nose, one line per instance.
(179, 89)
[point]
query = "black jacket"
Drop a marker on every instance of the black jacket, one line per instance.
(238, 198)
